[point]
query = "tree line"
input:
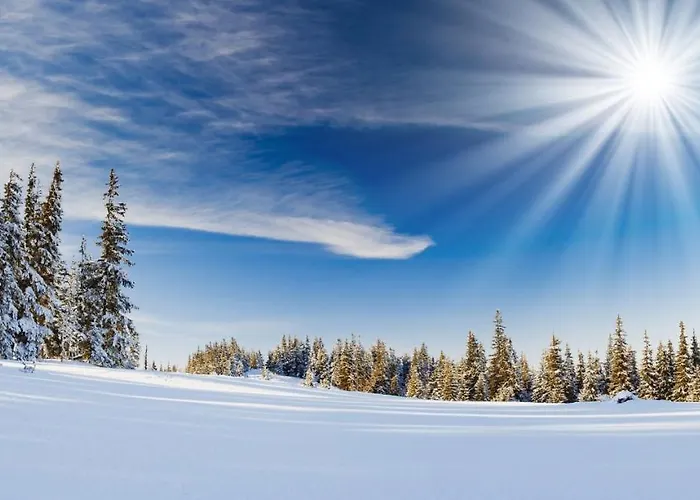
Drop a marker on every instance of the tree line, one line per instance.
(670, 372)
(50, 308)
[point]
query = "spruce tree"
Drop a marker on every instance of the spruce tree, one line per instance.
(569, 373)
(501, 371)
(48, 261)
(694, 394)
(664, 371)
(379, 380)
(647, 374)
(681, 386)
(551, 383)
(525, 380)
(695, 351)
(580, 373)
(120, 338)
(619, 361)
(28, 331)
(593, 380)
(145, 359)
(9, 294)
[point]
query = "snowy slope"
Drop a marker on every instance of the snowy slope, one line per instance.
(75, 432)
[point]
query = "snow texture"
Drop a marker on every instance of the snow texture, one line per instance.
(76, 432)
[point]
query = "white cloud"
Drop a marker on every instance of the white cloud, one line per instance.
(59, 100)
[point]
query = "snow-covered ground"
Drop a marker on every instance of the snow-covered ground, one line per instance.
(75, 432)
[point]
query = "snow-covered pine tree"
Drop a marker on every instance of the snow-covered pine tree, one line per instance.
(592, 380)
(32, 229)
(501, 370)
(633, 371)
(47, 259)
(525, 380)
(469, 370)
(569, 372)
(694, 395)
(71, 338)
(145, 359)
(647, 374)
(552, 383)
(695, 351)
(580, 373)
(664, 372)
(681, 378)
(619, 361)
(9, 293)
(379, 380)
(29, 330)
(121, 340)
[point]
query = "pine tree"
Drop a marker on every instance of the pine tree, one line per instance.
(664, 371)
(121, 341)
(379, 380)
(695, 351)
(501, 371)
(525, 380)
(32, 230)
(28, 330)
(145, 359)
(619, 361)
(593, 380)
(694, 395)
(469, 370)
(154, 367)
(48, 262)
(681, 386)
(551, 384)
(569, 373)
(580, 374)
(647, 375)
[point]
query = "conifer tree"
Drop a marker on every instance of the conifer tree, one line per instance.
(619, 361)
(647, 374)
(145, 359)
(48, 261)
(501, 371)
(664, 372)
(681, 385)
(470, 368)
(593, 379)
(380, 382)
(33, 233)
(551, 384)
(525, 380)
(580, 373)
(121, 340)
(694, 394)
(28, 331)
(9, 294)
(569, 373)
(695, 351)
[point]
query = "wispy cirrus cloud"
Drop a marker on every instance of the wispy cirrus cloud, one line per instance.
(163, 92)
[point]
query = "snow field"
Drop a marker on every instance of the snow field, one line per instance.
(77, 432)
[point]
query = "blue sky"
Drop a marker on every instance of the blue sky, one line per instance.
(328, 168)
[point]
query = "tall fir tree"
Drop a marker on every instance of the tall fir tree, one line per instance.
(619, 361)
(694, 351)
(501, 371)
(580, 373)
(569, 373)
(28, 330)
(647, 374)
(682, 368)
(664, 371)
(48, 261)
(551, 383)
(593, 379)
(121, 340)
(525, 379)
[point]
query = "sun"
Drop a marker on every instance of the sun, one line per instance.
(650, 80)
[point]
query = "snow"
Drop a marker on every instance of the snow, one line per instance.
(69, 431)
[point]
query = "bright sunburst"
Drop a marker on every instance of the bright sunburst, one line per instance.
(610, 85)
(652, 80)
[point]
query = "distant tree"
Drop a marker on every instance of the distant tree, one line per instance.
(569, 373)
(145, 359)
(664, 372)
(619, 361)
(681, 386)
(695, 351)
(551, 383)
(501, 370)
(580, 373)
(593, 379)
(648, 375)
